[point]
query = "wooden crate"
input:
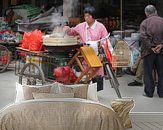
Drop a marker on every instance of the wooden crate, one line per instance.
(122, 55)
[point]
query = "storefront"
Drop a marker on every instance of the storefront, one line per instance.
(116, 15)
(128, 12)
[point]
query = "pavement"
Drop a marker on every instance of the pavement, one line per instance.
(7, 87)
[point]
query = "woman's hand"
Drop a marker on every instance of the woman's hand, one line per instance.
(66, 28)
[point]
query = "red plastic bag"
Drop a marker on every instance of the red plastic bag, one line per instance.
(5, 59)
(108, 53)
(22, 54)
(32, 40)
(64, 75)
(35, 43)
(25, 40)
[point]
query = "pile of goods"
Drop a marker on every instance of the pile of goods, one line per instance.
(7, 34)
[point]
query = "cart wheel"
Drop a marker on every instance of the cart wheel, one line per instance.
(4, 58)
(31, 74)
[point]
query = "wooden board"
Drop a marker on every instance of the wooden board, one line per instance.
(91, 57)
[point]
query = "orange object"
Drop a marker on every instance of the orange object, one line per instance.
(4, 59)
(32, 40)
(108, 53)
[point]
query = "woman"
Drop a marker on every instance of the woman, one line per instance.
(90, 30)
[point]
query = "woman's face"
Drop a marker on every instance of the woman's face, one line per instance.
(88, 18)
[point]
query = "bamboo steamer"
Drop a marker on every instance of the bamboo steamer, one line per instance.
(60, 41)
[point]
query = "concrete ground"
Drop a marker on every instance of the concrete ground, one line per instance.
(142, 104)
(7, 88)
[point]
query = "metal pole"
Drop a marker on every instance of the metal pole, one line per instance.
(121, 13)
(121, 17)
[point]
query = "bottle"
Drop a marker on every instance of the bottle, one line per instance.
(107, 23)
(117, 22)
(114, 23)
(110, 23)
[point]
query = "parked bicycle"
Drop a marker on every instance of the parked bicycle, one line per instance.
(7, 52)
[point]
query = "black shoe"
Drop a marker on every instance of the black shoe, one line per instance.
(135, 83)
(160, 96)
(129, 72)
(150, 96)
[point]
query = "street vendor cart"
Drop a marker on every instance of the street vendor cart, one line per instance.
(34, 68)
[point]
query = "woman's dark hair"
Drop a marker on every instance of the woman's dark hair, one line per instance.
(90, 10)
